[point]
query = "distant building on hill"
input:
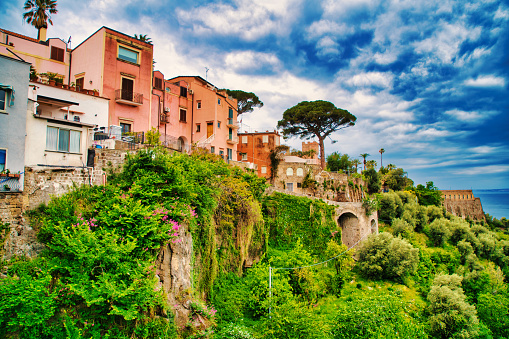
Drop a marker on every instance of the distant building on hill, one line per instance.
(462, 203)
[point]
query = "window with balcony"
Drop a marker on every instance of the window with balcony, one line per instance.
(230, 116)
(63, 140)
(183, 115)
(57, 54)
(128, 55)
(230, 134)
(127, 89)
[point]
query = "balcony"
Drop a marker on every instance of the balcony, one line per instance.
(164, 118)
(9, 183)
(232, 124)
(127, 97)
(233, 140)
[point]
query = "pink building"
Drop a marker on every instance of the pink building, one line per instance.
(170, 107)
(46, 56)
(211, 114)
(120, 68)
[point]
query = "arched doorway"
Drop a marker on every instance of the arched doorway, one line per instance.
(181, 144)
(349, 224)
(374, 227)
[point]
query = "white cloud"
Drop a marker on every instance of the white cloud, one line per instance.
(485, 149)
(471, 116)
(327, 27)
(250, 60)
(327, 47)
(248, 19)
(502, 13)
(371, 79)
(490, 169)
(486, 81)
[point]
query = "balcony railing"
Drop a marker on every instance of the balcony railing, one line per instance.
(232, 123)
(128, 97)
(9, 183)
(233, 140)
(164, 118)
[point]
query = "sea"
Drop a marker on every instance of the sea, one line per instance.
(495, 202)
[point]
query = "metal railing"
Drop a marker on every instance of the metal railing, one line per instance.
(9, 183)
(126, 95)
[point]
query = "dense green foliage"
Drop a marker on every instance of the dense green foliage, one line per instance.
(427, 274)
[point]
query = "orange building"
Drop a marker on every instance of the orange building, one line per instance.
(120, 68)
(255, 147)
(211, 115)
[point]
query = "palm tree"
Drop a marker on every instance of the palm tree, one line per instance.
(39, 13)
(143, 37)
(364, 155)
(356, 163)
(390, 167)
(371, 164)
(382, 151)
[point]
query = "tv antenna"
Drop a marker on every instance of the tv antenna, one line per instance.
(206, 72)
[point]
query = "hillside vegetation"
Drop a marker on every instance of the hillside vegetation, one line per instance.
(426, 275)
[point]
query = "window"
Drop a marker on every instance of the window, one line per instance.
(300, 172)
(183, 115)
(127, 55)
(264, 169)
(212, 149)
(289, 186)
(3, 156)
(244, 139)
(230, 116)
(198, 104)
(221, 153)
(126, 127)
(230, 134)
(289, 171)
(63, 140)
(127, 89)
(299, 185)
(219, 124)
(158, 83)
(219, 101)
(244, 157)
(76, 118)
(198, 127)
(277, 141)
(265, 139)
(230, 153)
(3, 99)
(183, 92)
(57, 54)
(80, 83)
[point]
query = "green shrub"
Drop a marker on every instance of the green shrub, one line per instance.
(450, 314)
(434, 212)
(493, 310)
(401, 227)
(439, 231)
(383, 256)
(234, 331)
(391, 206)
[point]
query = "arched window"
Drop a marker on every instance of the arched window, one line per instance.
(289, 171)
(300, 172)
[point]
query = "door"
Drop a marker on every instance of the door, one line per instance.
(127, 89)
(210, 129)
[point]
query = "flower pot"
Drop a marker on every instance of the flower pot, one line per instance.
(66, 86)
(52, 82)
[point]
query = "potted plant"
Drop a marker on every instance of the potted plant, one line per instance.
(96, 92)
(33, 74)
(73, 86)
(6, 187)
(52, 78)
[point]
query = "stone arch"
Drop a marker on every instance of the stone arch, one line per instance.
(349, 224)
(374, 227)
(182, 144)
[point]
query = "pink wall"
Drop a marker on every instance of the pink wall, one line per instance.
(38, 54)
(88, 58)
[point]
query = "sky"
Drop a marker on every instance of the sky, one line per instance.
(427, 80)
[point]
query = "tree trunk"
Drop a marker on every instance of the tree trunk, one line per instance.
(322, 153)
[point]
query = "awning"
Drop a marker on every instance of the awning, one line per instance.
(55, 102)
(9, 88)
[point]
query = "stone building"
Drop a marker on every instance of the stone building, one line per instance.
(462, 203)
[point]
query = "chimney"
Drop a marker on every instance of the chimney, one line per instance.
(41, 36)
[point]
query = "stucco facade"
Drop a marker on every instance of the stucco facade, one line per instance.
(256, 147)
(120, 67)
(212, 115)
(14, 76)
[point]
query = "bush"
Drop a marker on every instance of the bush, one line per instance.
(234, 331)
(391, 207)
(401, 227)
(439, 231)
(465, 249)
(493, 311)
(450, 314)
(383, 256)
(434, 212)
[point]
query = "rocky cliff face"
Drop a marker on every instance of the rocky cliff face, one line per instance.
(174, 269)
